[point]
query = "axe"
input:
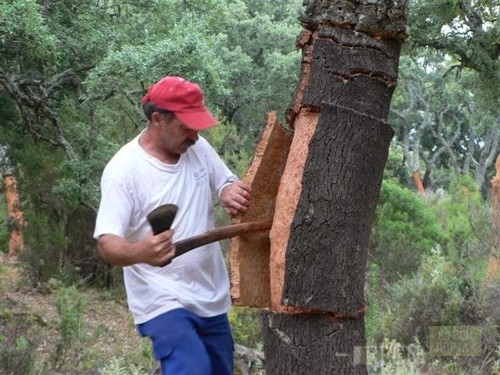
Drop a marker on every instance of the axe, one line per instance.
(161, 219)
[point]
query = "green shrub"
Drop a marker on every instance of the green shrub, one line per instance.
(16, 354)
(120, 366)
(17, 343)
(373, 297)
(441, 293)
(457, 213)
(71, 305)
(431, 297)
(4, 233)
(45, 241)
(404, 229)
(230, 145)
(390, 357)
(246, 326)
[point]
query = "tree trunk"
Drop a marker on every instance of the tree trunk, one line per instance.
(494, 261)
(313, 344)
(15, 214)
(350, 61)
(309, 273)
(418, 183)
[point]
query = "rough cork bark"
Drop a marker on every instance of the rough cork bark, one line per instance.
(308, 344)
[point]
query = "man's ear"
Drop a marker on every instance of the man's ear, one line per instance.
(156, 118)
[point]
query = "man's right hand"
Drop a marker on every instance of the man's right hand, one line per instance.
(153, 250)
(159, 248)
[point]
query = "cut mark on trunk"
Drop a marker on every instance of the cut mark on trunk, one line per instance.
(287, 199)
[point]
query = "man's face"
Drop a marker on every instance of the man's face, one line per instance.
(174, 137)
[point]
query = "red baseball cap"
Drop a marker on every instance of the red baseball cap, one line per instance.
(184, 99)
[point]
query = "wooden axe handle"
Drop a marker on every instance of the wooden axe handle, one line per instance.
(221, 233)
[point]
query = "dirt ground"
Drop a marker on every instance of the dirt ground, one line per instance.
(107, 336)
(106, 326)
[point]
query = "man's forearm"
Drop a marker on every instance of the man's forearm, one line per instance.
(118, 251)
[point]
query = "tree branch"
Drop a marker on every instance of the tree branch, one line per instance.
(34, 97)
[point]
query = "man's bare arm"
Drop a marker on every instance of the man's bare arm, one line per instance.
(153, 250)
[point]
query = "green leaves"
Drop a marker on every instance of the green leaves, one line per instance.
(403, 231)
(23, 30)
(442, 120)
(136, 66)
(465, 31)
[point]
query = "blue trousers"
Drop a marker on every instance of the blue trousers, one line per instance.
(187, 344)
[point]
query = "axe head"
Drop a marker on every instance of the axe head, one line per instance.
(161, 217)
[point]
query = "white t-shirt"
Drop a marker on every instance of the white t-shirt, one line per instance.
(132, 185)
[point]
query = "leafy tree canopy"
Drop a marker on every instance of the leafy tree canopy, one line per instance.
(466, 31)
(443, 124)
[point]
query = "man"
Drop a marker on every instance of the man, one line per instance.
(183, 306)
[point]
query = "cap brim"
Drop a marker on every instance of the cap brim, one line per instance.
(197, 120)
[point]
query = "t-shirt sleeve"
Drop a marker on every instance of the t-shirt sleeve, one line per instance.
(220, 173)
(115, 209)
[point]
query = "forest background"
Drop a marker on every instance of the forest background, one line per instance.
(72, 74)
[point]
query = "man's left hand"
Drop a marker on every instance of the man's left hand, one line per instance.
(235, 197)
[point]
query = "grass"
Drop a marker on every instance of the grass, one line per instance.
(63, 328)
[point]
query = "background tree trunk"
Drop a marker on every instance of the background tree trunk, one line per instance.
(13, 201)
(15, 215)
(418, 183)
(494, 261)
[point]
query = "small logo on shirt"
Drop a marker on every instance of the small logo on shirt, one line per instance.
(200, 176)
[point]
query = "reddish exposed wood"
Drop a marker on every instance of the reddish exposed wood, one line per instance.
(287, 199)
(493, 269)
(249, 254)
(494, 262)
(253, 283)
(15, 213)
(304, 42)
(418, 182)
